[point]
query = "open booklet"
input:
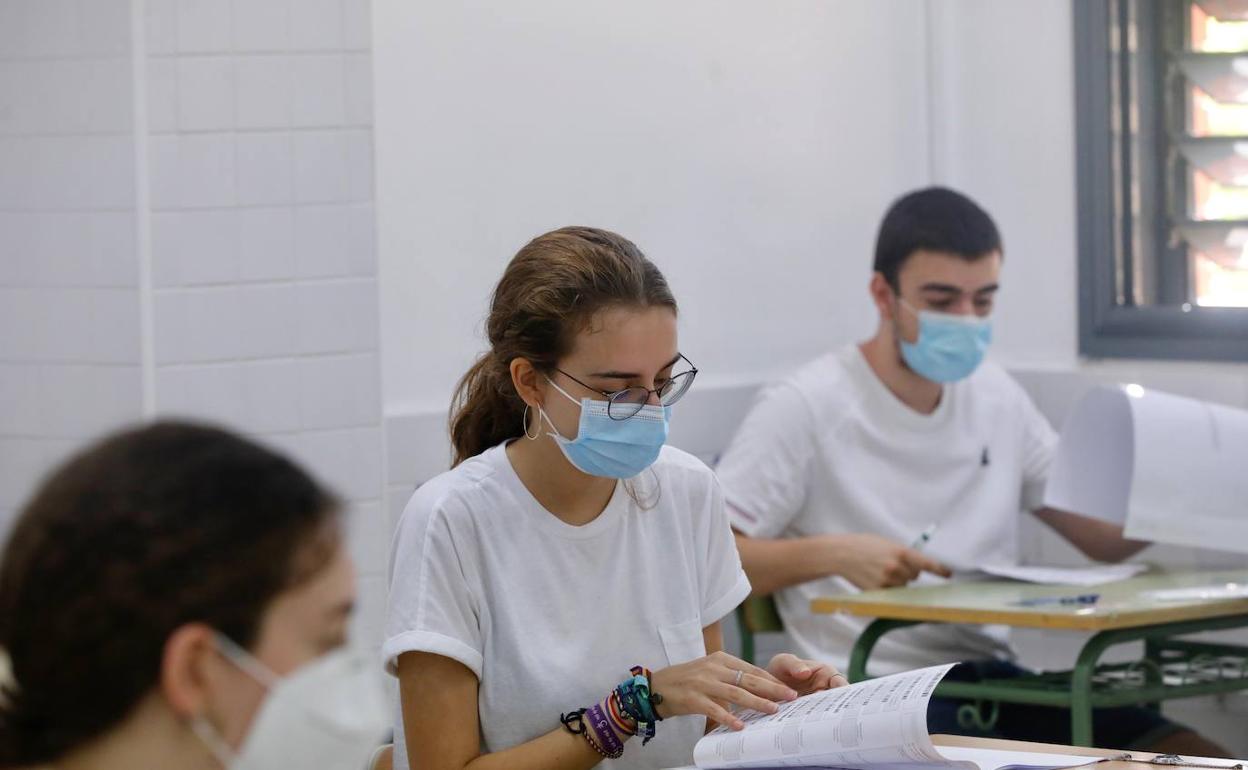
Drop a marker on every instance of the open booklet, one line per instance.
(880, 723)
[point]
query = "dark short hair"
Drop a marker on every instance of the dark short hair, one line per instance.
(141, 533)
(933, 219)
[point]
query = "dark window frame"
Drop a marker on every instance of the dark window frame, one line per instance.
(1111, 325)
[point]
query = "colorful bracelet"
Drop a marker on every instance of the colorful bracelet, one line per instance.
(608, 744)
(627, 711)
(604, 726)
(626, 724)
(636, 701)
(655, 698)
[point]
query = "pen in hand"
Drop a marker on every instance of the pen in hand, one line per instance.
(924, 536)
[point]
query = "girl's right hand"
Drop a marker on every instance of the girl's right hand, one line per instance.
(708, 685)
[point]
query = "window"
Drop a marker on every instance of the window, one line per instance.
(1162, 155)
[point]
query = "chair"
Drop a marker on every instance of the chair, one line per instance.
(757, 615)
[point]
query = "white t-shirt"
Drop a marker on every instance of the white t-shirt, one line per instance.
(830, 450)
(550, 617)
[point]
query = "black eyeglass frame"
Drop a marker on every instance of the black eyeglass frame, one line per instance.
(616, 405)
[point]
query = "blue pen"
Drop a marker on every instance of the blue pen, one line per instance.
(1041, 601)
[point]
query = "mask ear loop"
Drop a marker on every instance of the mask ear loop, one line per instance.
(896, 319)
(538, 435)
(210, 737)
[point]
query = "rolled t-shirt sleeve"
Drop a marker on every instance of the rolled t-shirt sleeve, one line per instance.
(765, 470)
(1039, 446)
(431, 605)
(723, 581)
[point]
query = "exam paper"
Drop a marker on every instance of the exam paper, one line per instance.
(1219, 592)
(1168, 468)
(1066, 576)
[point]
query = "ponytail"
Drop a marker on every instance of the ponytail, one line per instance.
(486, 410)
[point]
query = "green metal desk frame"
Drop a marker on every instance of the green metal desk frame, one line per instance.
(1201, 668)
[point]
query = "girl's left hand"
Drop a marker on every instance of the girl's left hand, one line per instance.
(805, 676)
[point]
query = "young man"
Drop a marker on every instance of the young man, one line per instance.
(905, 457)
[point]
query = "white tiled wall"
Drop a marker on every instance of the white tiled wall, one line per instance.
(250, 184)
(263, 258)
(69, 317)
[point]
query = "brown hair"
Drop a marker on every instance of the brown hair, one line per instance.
(551, 289)
(145, 531)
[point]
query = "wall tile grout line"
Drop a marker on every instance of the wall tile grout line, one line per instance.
(143, 206)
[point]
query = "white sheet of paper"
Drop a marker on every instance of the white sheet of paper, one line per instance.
(1219, 592)
(1189, 485)
(1092, 468)
(1067, 576)
(877, 722)
(1168, 468)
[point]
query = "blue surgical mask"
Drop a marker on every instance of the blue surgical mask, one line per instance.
(949, 347)
(614, 449)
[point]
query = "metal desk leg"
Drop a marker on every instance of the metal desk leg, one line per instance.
(1081, 698)
(1081, 680)
(1153, 637)
(1152, 668)
(866, 642)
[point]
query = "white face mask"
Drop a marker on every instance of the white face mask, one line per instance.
(329, 715)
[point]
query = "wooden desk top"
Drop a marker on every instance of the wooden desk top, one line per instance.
(1123, 604)
(1050, 748)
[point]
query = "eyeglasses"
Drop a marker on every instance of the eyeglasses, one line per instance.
(623, 404)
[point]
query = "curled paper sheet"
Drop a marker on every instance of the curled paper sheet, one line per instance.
(1170, 469)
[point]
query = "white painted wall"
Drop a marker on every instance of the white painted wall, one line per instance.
(749, 151)
(749, 148)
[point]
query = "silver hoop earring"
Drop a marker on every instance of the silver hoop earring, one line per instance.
(536, 436)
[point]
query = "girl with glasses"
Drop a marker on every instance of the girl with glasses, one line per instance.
(555, 598)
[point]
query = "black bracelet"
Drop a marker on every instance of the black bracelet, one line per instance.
(574, 722)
